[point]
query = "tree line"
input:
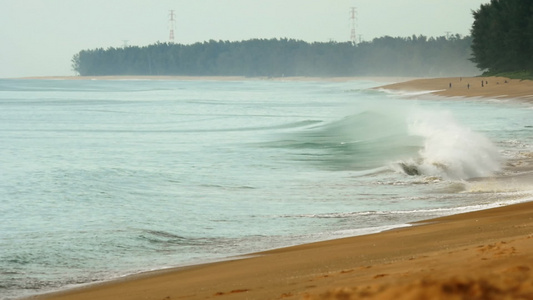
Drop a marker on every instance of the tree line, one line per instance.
(385, 56)
(502, 36)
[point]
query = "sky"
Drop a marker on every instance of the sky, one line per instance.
(40, 37)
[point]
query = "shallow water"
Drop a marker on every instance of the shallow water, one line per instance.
(101, 179)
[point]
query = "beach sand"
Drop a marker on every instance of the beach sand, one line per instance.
(487, 87)
(480, 255)
(485, 254)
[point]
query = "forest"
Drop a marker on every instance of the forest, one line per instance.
(385, 56)
(502, 36)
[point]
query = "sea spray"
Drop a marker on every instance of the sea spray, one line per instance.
(450, 150)
(404, 138)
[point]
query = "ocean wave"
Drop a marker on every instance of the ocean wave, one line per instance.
(420, 214)
(374, 213)
(450, 149)
(168, 239)
(411, 141)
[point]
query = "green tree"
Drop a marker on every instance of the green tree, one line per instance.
(502, 36)
(395, 56)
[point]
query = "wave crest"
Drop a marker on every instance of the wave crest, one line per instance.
(410, 141)
(450, 150)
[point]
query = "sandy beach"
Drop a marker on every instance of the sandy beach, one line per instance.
(488, 87)
(485, 254)
(479, 255)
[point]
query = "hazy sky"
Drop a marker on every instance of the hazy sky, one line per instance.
(39, 37)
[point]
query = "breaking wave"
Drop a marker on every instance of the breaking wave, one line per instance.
(411, 141)
(450, 150)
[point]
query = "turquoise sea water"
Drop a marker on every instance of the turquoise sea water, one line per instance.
(100, 179)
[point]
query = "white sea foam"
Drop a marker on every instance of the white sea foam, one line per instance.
(450, 150)
(407, 93)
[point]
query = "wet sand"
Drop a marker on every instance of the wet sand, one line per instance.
(486, 254)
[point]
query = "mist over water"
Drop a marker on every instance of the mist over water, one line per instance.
(105, 178)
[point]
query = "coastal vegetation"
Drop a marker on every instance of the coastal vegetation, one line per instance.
(501, 44)
(390, 56)
(502, 38)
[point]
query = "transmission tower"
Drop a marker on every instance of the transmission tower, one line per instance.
(353, 18)
(172, 25)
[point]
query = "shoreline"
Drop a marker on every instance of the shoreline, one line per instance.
(384, 79)
(432, 252)
(468, 87)
(451, 87)
(486, 254)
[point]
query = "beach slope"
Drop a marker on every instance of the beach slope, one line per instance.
(479, 255)
(486, 87)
